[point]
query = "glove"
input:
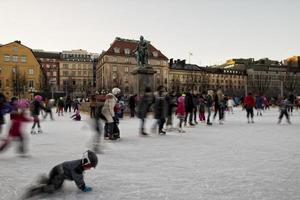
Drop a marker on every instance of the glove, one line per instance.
(87, 189)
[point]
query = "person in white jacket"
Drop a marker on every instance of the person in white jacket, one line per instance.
(230, 105)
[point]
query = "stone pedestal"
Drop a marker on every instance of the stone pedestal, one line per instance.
(143, 77)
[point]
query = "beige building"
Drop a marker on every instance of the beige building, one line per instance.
(184, 77)
(116, 64)
(76, 72)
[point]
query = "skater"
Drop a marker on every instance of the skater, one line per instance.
(284, 105)
(180, 112)
(144, 105)
(259, 101)
(291, 100)
(230, 105)
(60, 106)
(219, 107)
(49, 105)
(160, 109)
(76, 116)
(69, 170)
(209, 104)
(4, 108)
(201, 109)
(249, 103)
(93, 105)
(68, 104)
(111, 130)
(76, 105)
(195, 106)
(189, 108)
(172, 104)
(132, 102)
(35, 109)
(15, 131)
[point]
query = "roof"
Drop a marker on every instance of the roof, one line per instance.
(123, 44)
(45, 54)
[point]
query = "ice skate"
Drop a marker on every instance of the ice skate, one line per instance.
(252, 121)
(40, 131)
(32, 131)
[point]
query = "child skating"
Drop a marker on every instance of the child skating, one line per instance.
(69, 170)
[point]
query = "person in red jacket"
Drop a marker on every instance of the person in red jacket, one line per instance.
(15, 131)
(180, 112)
(249, 103)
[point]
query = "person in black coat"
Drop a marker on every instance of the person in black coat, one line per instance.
(189, 107)
(144, 105)
(131, 103)
(160, 108)
(172, 104)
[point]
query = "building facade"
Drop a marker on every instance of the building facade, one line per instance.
(268, 77)
(76, 73)
(49, 62)
(20, 72)
(185, 77)
(116, 64)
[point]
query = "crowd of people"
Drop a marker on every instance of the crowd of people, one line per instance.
(106, 110)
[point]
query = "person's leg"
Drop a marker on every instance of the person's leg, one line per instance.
(208, 115)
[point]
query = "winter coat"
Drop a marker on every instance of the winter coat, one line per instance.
(230, 103)
(180, 111)
(36, 107)
(201, 105)
(73, 171)
(209, 101)
(17, 120)
(132, 101)
(5, 108)
(144, 105)
(249, 101)
(171, 101)
(108, 107)
(189, 104)
(160, 107)
(60, 103)
(259, 102)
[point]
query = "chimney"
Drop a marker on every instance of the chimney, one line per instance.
(171, 62)
(18, 41)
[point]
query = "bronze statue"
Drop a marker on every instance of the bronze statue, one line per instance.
(141, 52)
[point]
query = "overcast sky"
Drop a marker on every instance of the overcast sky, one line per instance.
(213, 30)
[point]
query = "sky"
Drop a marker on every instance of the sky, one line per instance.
(213, 31)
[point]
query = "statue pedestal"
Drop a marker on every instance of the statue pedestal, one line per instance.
(144, 77)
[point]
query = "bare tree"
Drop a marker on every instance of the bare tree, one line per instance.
(18, 83)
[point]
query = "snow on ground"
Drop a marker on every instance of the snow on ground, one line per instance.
(232, 161)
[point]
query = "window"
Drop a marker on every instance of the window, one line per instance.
(0, 83)
(30, 71)
(127, 51)
(84, 73)
(31, 84)
(65, 66)
(54, 74)
(65, 73)
(14, 70)
(0, 70)
(126, 69)
(117, 50)
(74, 82)
(73, 73)
(48, 73)
(155, 54)
(114, 69)
(23, 59)
(15, 58)
(79, 73)
(126, 60)
(6, 58)
(114, 59)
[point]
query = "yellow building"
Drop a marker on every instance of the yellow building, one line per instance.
(20, 72)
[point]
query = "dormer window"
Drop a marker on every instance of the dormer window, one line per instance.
(117, 50)
(127, 51)
(155, 53)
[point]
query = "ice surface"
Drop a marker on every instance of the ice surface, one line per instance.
(236, 160)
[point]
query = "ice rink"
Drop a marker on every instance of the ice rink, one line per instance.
(236, 160)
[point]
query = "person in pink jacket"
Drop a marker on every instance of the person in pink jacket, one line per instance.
(180, 112)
